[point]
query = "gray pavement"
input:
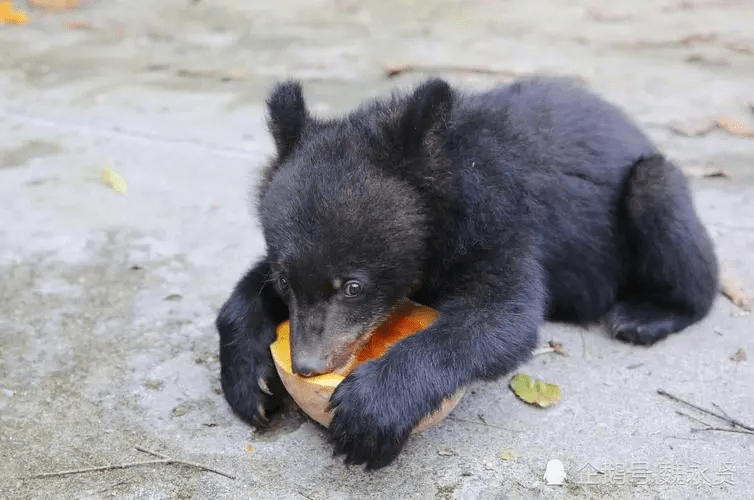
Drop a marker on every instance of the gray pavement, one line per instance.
(107, 301)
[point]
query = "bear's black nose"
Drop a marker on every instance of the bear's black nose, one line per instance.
(305, 367)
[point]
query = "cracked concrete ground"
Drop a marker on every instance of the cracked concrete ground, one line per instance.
(107, 301)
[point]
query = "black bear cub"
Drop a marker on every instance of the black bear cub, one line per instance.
(501, 210)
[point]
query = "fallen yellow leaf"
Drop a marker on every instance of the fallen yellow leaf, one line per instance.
(735, 127)
(535, 391)
(8, 15)
(114, 180)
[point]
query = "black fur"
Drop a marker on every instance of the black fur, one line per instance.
(501, 209)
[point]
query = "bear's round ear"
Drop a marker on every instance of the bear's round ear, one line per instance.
(287, 115)
(427, 110)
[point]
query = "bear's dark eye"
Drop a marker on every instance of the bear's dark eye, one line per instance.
(352, 288)
(282, 284)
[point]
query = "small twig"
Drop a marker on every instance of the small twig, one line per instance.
(553, 346)
(662, 392)
(153, 453)
(730, 421)
(542, 350)
(722, 429)
(484, 423)
(183, 462)
(693, 418)
(720, 409)
(162, 460)
(708, 427)
(393, 70)
(97, 469)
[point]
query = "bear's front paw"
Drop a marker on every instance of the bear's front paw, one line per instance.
(252, 386)
(370, 424)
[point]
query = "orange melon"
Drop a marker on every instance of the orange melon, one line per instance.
(312, 394)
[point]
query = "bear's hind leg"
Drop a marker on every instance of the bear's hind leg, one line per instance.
(645, 322)
(673, 271)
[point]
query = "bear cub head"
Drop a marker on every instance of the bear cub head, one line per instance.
(349, 210)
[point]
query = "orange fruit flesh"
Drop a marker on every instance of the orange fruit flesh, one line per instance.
(312, 394)
(407, 319)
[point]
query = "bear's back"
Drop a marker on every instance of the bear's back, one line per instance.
(550, 124)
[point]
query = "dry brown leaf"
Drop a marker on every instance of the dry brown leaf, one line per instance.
(557, 347)
(741, 46)
(733, 289)
(53, 4)
(600, 15)
(395, 69)
(79, 25)
(694, 4)
(698, 38)
(234, 74)
(739, 356)
(719, 62)
(692, 128)
(735, 127)
(677, 5)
